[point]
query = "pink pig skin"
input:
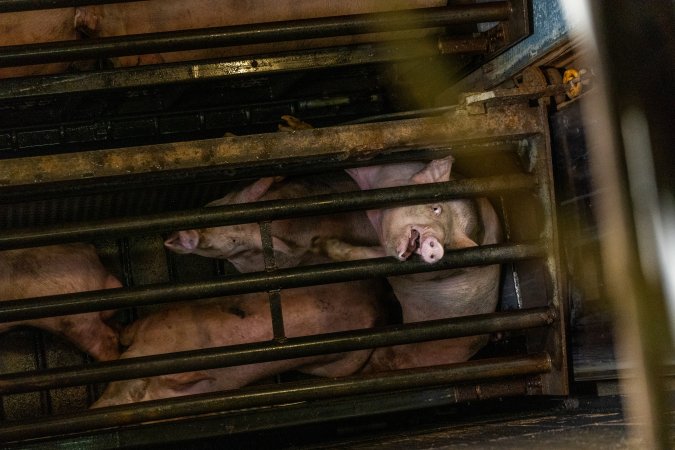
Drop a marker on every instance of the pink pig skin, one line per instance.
(452, 224)
(291, 239)
(244, 319)
(61, 269)
(31, 27)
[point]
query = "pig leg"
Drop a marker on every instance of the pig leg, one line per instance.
(93, 337)
(424, 354)
(338, 250)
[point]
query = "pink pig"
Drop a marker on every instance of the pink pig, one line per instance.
(291, 239)
(61, 269)
(428, 230)
(245, 319)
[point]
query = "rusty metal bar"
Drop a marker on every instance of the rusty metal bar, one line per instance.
(264, 210)
(289, 30)
(12, 310)
(153, 75)
(115, 416)
(332, 144)
(275, 294)
(274, 350)
(31, 5)
(452, 45)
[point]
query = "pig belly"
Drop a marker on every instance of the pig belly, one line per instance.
(32, 27)
(246, 319)
(61, 269)
(168, 15)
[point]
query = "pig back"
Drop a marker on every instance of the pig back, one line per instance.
(32, 27)
(50, 270)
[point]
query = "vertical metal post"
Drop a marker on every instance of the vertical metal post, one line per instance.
(275, 294)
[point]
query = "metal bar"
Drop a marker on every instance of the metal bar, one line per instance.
(153, 75)
(453, 45)
(31, 5)
(12, 310)
(253, 33)
(264, 210)
(249, 421)
(212, 358)
(331, 144)
(289, 392)
(271, 266)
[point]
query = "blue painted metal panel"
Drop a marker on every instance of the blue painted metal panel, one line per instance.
(550, 29)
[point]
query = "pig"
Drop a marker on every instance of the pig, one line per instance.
(119, 19)
(245, 319)
(61, 269)
(292, 239)
(32, 27)
(427, 230)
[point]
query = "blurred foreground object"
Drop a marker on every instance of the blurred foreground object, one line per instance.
(633, 165)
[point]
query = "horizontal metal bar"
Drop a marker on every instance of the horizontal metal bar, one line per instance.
(212, 358)
(330, 144)
(212, 403)
(257, 419)
(153, 75)
(13, 310)
(289, 30)
(31, 5)
(264, 211)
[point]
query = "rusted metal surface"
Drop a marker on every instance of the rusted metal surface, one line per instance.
(347, 143)
(270, 351)
(290, 392)
(153, 75)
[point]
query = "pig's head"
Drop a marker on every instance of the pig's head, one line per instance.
(239, 244)
(428, 229)
(217, 242)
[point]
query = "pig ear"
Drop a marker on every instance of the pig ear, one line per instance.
(461, 240)
(253, 192)
(180, 381)
(436, 171)
(363, 176)
(281, 246)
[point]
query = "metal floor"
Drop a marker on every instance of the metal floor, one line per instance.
(586, 421)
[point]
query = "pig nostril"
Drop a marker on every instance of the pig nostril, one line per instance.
(431, 244)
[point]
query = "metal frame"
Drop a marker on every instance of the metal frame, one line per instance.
(513, 19)
(542, 370)
(465, 131)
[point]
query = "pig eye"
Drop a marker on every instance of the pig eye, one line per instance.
(437, 209)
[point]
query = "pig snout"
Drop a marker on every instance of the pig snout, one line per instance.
(431, 250)
(427, 246)
(185, 241)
